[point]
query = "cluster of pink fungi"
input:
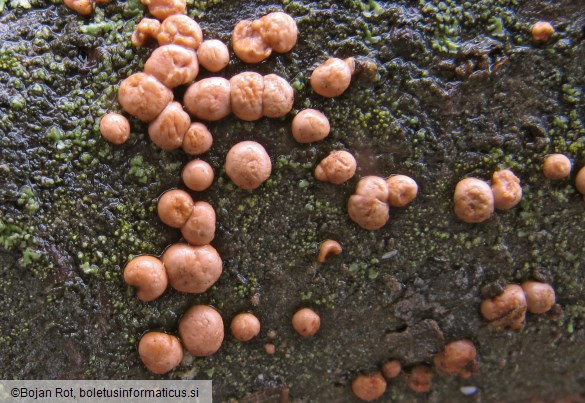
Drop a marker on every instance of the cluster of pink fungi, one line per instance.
(194, 266)
(475, 200)
(505, 312)
(458, 358)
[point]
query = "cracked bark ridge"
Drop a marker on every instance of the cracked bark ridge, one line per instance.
(417, 343)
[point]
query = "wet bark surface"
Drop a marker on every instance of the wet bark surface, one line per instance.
(443, 91)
